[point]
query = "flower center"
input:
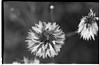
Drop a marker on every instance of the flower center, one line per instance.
(89, 21)
(46, 37)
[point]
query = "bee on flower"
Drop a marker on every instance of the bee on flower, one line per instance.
(45, 39)
(88, 26)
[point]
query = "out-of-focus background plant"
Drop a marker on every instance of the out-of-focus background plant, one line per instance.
(20, 16)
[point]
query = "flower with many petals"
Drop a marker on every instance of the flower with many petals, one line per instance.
(45, 39)
(88, 26)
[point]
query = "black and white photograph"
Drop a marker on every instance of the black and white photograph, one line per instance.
(50, 32)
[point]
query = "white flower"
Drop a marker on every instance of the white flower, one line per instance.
(45, 39)
(36, 61)
(88, 26)
(27, 61)
(15, 62)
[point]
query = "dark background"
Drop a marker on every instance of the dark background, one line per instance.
(20, 16)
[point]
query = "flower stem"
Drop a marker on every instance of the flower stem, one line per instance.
(71, 34)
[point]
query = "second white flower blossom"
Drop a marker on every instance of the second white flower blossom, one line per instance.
(88, 26)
